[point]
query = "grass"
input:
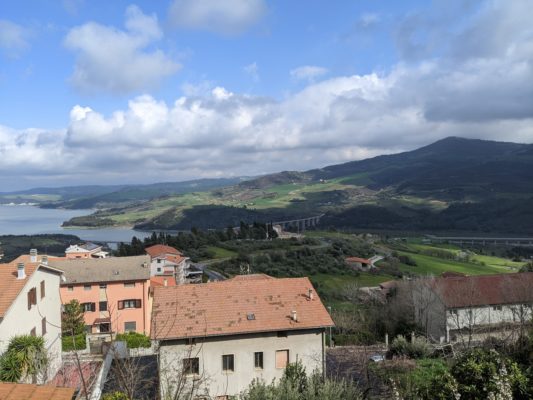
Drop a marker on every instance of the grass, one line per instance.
(221, 253)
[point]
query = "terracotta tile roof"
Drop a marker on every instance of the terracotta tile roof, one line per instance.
(251, 277)
(224, 308)
(160, 281)
(357, 259)
(161, 249)
(485, 290)
(24, 391)
(10, 286)
(175, 259)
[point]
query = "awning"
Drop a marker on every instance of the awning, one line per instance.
(98, 321)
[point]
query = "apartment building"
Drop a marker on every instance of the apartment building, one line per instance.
(114, 292)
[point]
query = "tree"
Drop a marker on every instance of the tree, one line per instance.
(25, 357)
(483, 374)
(72, 321)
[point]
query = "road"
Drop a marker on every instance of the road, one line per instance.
(213, 275)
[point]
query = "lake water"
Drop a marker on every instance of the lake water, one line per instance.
(30, 220)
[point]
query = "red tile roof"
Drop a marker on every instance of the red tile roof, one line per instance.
(160, 281)
(357, 259)
(222, 308)
(10, 286)
(24, 391)
(484, 290)
(161, 249)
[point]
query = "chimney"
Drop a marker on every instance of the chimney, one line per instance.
(310, 294)
(33, 255)
(165, 283)
(44, 260)
(294, 316)
(21, 273)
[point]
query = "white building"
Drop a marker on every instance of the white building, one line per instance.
(30, 305)
(87, 250)
(167, 261)
(466, 308)
(220, 336)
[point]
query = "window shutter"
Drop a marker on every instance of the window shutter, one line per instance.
(93, 307)
(29, 300)
(137, 303)
(42, 289)
(120, 305)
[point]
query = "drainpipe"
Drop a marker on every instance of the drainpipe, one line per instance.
(323, 354)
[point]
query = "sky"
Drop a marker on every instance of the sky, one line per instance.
(107, 92)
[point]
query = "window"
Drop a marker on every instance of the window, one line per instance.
(282, 358)
(105, 327)
(42, 289)
(102, 306)
(191, 366)
(103, 286)
(497, 308)
(86, 287)
(88, 328)
(228, 364)
(88, 307)
(282, 333)
(135, 303)
(158, 269)
(33, 332)
(159, 261)
(454, 312)
(129, 284)
(32, 297)
(258, 360)
(43, 325)
(70, 288)
(130, 326)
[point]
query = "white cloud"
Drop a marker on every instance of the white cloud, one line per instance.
(117, 61)
(212, 131)
(252, 70)
(308, 72)
(13, 38)
(227, 17)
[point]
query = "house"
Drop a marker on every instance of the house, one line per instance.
(166, 260)
(87, 250)
(359, 263)
(30, 305)
(114, 292)
(458, 308)
(24, 391)
(222, 335)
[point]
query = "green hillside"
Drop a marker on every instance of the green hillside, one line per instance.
(452, 185)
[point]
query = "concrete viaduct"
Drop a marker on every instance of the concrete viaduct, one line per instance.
(300, 224)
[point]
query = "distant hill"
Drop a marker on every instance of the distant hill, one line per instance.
(454, 184)
(94, 196)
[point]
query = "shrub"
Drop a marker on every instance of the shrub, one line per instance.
(115, 396)
(134, 340)
(79, 342)
(25, 356)
(418, 348)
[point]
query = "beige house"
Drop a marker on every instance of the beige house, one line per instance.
(219, 336)
(470, 308)
(30, 305)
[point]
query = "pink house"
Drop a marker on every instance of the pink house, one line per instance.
(114, 292)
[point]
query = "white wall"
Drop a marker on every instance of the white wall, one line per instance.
(18, 320)
(304, 346)
(488, 315)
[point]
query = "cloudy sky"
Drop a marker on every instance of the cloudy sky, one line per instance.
(122, 92)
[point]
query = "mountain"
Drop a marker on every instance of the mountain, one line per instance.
(454, 184)
(98, 196)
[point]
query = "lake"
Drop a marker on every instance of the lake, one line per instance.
(30, 220)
